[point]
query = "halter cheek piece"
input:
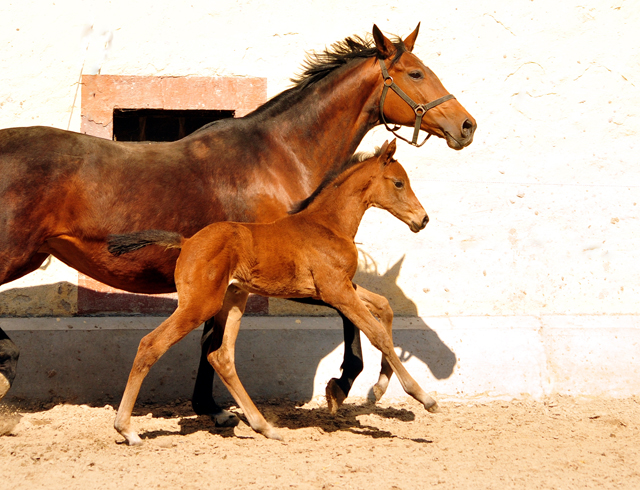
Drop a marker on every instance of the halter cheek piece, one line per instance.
(419, 109)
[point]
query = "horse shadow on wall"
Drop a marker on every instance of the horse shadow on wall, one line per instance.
(438, 357)
(285, 373)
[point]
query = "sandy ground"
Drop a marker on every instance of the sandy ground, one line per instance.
(563, 443)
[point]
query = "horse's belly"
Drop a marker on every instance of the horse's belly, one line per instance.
(149, 271)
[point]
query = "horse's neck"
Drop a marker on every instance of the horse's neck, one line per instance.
(330, 118)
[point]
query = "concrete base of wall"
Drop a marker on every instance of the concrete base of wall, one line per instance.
(87, 360)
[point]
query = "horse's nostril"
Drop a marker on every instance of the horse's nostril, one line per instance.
(425, 220)
(467, 128)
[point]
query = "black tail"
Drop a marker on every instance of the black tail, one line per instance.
(122, 244)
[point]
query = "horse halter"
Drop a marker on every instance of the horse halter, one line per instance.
(419, 109)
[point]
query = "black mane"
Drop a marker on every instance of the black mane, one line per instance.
(318, 65)
(331, 177)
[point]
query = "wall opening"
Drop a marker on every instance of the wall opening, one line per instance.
(132, 108)
(161, 124)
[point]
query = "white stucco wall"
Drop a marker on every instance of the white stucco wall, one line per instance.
(537, 218)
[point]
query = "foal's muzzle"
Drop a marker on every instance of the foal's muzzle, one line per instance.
(416, 226)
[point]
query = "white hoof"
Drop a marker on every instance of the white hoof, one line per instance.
(133, 439)
(225, 418)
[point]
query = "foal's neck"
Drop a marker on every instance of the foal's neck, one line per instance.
(341, 205)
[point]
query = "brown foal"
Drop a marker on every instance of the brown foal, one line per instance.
(310, 253)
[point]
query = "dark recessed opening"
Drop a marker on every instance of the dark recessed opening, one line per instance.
(160, 124)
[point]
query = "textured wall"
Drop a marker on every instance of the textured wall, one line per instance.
(539, 216)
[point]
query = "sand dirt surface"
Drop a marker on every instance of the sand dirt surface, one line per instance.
(562, 443)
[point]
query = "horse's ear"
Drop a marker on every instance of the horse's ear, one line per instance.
(384, 46)
(387, 151)
(410, 41)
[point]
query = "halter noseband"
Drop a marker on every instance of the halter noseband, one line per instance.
(419, 109)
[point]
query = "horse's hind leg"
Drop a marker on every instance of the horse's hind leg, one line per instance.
(222, 358)
(379, 306)
(9, 352)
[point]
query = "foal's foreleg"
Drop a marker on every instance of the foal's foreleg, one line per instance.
(222, 358)
(379, 306)
(347, 301)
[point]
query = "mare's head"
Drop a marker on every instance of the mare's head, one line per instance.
(448, 120)
(390, 189)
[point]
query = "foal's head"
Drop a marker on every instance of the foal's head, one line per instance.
(391, 190)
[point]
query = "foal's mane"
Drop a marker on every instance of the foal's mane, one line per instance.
(336, 177)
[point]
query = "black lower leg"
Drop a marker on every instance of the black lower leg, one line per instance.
(202, 400)
(352, 363)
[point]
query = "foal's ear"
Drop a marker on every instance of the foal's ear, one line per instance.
(386, 152)
(410, 41)
(384, 46)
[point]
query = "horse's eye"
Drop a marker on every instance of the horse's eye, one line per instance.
(399, 184)
(416, 75)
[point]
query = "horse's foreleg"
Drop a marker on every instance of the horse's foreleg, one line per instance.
(338, 388)
(379, 306)
(346, 300)
(202, 400)
(152, 346)
(222, 358)
(9, 354)
(10, 270)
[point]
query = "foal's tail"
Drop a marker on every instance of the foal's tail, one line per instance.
(122, 244)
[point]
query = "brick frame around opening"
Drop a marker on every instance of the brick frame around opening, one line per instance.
(101, 94)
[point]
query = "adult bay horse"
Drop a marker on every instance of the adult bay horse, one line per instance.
(63, 193)
(310, 253)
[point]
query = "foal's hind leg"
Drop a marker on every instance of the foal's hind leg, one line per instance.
(186, 318)
(222, 358)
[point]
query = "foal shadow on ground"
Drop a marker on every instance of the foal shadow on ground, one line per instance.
(286, 415)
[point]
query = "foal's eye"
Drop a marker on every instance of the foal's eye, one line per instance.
(416, 75)
(399, 184)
